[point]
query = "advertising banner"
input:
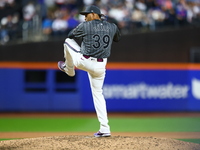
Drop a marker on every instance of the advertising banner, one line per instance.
(194, 93)
(148, 90)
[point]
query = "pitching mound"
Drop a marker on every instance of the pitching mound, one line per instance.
(77, 142)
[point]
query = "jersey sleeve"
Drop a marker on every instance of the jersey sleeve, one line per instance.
(77, 32)
(117, 35)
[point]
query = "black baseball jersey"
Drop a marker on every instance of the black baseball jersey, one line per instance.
(97, 37)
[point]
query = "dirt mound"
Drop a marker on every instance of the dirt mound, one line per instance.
(79, 142)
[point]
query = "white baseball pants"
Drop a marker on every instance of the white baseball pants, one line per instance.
(96, 73)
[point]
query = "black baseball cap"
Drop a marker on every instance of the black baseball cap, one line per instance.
(91, 9)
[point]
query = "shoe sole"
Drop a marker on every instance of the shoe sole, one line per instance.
(104, 135)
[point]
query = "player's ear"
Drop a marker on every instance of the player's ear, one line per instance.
(95, 16)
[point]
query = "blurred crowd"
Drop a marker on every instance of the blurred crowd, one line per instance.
(23, 19)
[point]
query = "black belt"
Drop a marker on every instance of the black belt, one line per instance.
(98, 59)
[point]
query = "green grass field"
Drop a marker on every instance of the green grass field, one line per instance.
(90, 124)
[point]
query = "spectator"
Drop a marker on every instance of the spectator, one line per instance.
(168, 9)
(29, 11)
(181, 12)
(49, 3)
(47, 24)
(4, 37)
(193, 11)
(59, 24)
(12, 26)
(121, 15)
(10, 20)
(139, 18)
(88, 2)
(60, 3)
(156, 18)
(72, 21)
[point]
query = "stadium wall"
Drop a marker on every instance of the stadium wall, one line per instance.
(165, 46)
(128, 87)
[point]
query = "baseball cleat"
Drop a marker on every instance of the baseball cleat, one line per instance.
(99, 134)
(61, 65)
(64, 68)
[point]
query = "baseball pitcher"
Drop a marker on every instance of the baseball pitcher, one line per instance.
(97, 36)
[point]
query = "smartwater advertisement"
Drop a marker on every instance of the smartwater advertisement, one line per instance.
(151, 90)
